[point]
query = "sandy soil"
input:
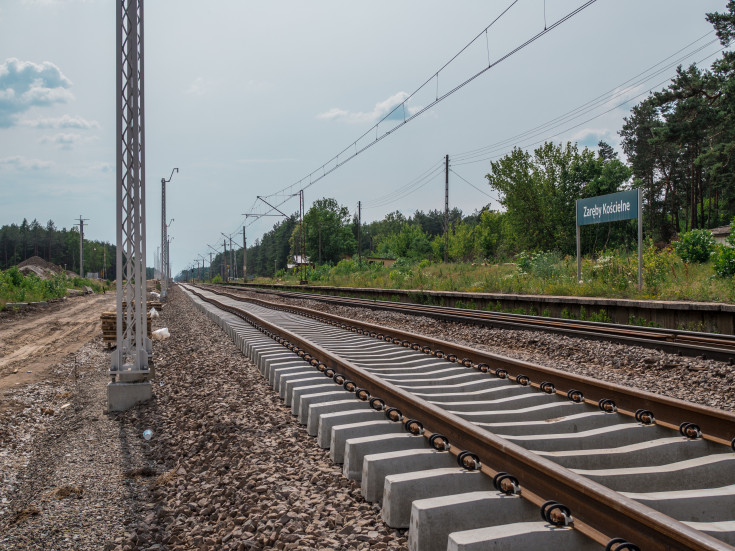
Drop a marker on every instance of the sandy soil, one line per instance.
(32, 341)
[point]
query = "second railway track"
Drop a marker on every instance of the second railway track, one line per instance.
(690, 343)
(423, 423)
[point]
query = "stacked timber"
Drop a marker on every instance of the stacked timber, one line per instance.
(157, 304)
(109, 328)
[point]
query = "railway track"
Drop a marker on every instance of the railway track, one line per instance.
(688, 343)
(476, 451)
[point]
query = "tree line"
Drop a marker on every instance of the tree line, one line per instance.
(58, 246)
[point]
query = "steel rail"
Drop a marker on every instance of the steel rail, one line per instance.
(711, 345)
(598, 511)
(716, 425)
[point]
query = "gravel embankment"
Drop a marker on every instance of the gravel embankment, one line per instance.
(228, 466)
(705, 382)
(237, 470)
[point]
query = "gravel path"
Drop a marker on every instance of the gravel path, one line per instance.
(705, 382)
(63, 462)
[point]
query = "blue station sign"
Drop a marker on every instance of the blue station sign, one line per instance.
(608, 208)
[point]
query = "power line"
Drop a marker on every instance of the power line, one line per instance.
(474, 186)
(355, 149)
(485, 153)
(406, 190)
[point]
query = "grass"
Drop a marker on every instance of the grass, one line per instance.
(16, 287)
(612, 275)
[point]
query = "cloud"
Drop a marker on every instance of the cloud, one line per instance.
(24, 84)
(66, 121)
(22, 163)
(199, 87)
(592, 136)
(64, 141)
(381, 109)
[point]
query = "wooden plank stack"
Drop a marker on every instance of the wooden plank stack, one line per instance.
(109, 328)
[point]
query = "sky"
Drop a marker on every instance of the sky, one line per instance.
(250, 98)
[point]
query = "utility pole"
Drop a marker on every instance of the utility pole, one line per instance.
(164, 238)
(201, 272)
(232, 255)
(302, 238)
(359, 232)
(225, 268)
(81, 244)
(209, 272)
(244, 255)
(446, 210)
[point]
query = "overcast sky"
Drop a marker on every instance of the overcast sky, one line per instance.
(247, 98)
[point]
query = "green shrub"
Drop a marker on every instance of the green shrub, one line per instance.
(543, 264)
(724, 261)
(695, 246)
(217, 279)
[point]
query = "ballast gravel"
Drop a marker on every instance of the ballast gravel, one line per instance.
(232, 468)
(227, 466)
(705, 382)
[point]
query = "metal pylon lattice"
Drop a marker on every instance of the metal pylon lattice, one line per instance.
(133, 344)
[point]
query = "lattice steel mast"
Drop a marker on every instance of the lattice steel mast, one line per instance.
(133, 344)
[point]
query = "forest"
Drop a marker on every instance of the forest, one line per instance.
(59, 246)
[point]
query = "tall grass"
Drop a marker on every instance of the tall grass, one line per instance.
(16, 287)
(613, 274)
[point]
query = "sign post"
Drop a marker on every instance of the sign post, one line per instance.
(624, 205)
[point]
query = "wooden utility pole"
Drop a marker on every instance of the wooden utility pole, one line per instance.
(224, 260)
(81, 245)
(446, 210)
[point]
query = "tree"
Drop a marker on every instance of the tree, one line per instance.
(328, 232)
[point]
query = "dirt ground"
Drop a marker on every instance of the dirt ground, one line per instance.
(32, 340)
